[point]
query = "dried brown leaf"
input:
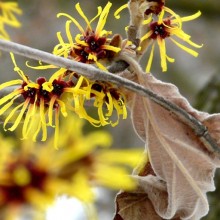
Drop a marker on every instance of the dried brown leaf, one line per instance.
(177, 155)
(135, 206)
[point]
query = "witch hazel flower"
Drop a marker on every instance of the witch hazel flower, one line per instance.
(42, 104)
(91, 45)
(168, 28)
(108, 100)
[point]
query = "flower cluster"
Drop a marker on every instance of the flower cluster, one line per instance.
(162, 24)
(91, 45)
(30, 178)
(44, 100)
(94, 46)
(7, 17)
(167, 28)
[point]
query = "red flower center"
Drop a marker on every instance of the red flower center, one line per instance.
(94, 46)
(35, 95)
(15, 193)
(160, 30)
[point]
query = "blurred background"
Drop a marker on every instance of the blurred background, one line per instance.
(198, 79)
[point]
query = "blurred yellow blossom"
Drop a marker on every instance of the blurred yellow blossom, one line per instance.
(7, 17)
(33, 174)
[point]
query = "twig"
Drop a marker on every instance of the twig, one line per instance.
(96, 74)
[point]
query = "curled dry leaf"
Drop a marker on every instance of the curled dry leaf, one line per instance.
(183, 168)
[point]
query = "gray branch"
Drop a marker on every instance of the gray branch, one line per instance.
(97, 74)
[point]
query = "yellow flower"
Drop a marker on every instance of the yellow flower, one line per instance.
(7, 17)
(90, 46)
(102, 167)
(31, 177)
(32, 174)
(42, 102)
(107, 99)
(166, 28)
(8, 9)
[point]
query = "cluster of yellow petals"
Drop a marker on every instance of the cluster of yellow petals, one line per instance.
(42, 102)
(79, 42)
(104, 103)
(173, 30)
(35, 114)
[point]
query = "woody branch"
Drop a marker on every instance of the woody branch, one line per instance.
(97, 74)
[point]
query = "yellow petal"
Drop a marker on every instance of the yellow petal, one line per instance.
(40, 67)
(17, 69)
(57, 74)
(148, 20)
(177, 19)
(68, 33)
(11, 114)
(43, 120)
(56, 134)
(102, 118)
(50, 110)
(100, 66)
(127, 157)
(31, 85)
(109, 105)
(117, 12)
(62, 107)
(37, 124)
(146, 36)
(78, 8)
(112, 48)
(171, 60)
(150, 60)
(120, 108)
(18, 119)
(162, 48)
(191, 17)
(92, 57)
(7, 9)
(29, 114)
(7, 106)
(102, 19)
(79, 41)
(73, 20)
(10, 96)
(11, 83)
(114, 177)
(47, 86)
(160, 18)
(188, 50)
(97, 15)
(194, 44)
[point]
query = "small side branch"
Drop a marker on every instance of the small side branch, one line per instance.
(96, 74)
